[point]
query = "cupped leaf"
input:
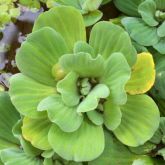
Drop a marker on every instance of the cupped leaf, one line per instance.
(112, 115)
(59, 18)
(82, 46)
(140, 32)
(142, 76)
(115, 40)
(65, 117)
(81, 145)
(26, 94)
(147, 10)
(140, 120)
(36, 132)
(161, 30)
(67, 87)
(95, 117)
(128, 7)
(83, 64)
(18, 157)
(39, 53)
(91, 102)
(92, 17)
(117, 73)
(8, 117)
(160, 46)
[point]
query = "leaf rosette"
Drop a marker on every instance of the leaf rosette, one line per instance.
(69, 88)
(147, 26)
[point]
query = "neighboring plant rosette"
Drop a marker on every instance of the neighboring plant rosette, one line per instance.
(69, 88)
(147, 27)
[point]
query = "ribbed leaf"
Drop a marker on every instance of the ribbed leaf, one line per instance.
(83, 64)
(85, 144)
(143, 75)
(129, 7)
(18, 157)
(115, 40)
(147, 10)
(8, 117)
(67, 87)
(112, 115)
(140, 120)
(39, 53)
(36, 131)
(140, 32)
(59, 18)
(26, 94)
(160, 46)
(161, 30)
(117, 73)
(65, 117)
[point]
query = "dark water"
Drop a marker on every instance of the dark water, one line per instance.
(11, 38)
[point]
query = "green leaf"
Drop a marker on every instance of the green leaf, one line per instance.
(59, 18)
(112, 115)
(26, 94)
(90, 5)
(160, 4)
(147, 10)
(81, 145)
(8, 118)
(65, 117)
(39, 53)
(91, 102)
(129, 7)
(95, 117)
(147, 148)
(140, 32)
(115, 40)
(36, 131)
(140, 120)
(67, 87)
(82, 46)
(161, 30)
(143, 75)
(18, 157)
(26, 146)
(92, 17)
(83, 64)
(144, 160)
(115, 153)
(29, 149)
(117, 73)
(159, 135)
(158, 90)
(160, 46)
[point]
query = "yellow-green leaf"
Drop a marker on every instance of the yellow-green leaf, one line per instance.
(143, 74)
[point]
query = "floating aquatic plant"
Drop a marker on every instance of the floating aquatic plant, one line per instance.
(148, 27)
(70, 87)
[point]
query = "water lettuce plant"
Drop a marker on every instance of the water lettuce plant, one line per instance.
(147, 29)
(70, 87)
(8, 11)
